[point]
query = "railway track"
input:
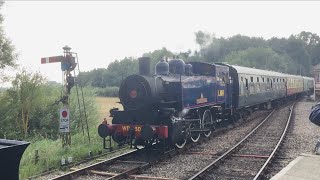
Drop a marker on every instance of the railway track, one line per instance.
(134, 162)
(249, 158)
(84, 171)
(126, 165)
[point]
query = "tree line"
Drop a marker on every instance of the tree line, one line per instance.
(294, 55)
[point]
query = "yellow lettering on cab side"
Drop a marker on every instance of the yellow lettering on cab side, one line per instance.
(125, 128)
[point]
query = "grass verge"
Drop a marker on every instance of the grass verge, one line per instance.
(51, 151)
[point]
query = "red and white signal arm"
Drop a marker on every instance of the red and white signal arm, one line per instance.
(64, 125)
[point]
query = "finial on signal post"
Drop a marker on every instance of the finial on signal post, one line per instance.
(66, 48)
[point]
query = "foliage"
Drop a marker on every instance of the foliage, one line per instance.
(25, 94)
(297, 51)
(156, 56)
(77, 117)
(310, 40)
(112, 76)
(120, 69)
(294, 54)
(112, 91)
(315, 54)
(261, 58)
(214, 49)
(51, 151)
(7, 54)
(30, 106)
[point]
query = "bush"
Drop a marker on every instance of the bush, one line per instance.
(107, 91)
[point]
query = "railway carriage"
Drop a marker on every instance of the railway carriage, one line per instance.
(308, 85)
(294, 85)
(182, 101)
(258, 86)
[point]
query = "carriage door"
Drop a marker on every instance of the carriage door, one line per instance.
(228, 94)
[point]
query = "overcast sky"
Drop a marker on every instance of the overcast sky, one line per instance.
(101, 32)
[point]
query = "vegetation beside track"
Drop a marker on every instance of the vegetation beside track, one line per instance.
(51, 151)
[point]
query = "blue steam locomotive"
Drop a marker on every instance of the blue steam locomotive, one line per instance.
(181, 102)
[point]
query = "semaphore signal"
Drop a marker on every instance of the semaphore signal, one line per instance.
(68, 64)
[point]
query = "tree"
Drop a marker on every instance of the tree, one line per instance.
(278, 45)
(309, 39)
(112, 76)
(261, 58)
(315, 54)
(156, 56)
(296, 49)
(7, 55)
(24, 92)
(214, 49)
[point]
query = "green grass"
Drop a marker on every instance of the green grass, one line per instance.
(51, 151)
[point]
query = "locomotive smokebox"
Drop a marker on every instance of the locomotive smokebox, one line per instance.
(144, 66)
(10, 155)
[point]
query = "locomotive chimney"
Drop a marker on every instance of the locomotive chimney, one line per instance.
(144, 66)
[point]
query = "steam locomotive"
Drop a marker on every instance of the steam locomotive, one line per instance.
(183, 101)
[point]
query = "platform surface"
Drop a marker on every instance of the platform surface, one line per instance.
(304, 167)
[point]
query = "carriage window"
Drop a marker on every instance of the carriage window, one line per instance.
(277, 79)
(251, 79)
(257, 79)
(267, 79)
(263, 79)
(274, 80)
(247, 84)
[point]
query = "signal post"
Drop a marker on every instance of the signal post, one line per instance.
(68, 64)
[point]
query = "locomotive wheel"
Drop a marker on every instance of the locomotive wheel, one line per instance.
(180, 144)
(207, 122)
(194, 136)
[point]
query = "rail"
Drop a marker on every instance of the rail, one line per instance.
(228, 153)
